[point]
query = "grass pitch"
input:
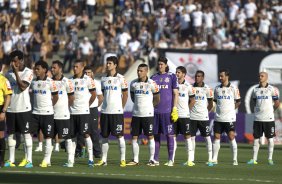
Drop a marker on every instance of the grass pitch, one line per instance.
(224, 172)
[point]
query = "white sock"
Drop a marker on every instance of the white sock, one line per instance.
(175, 147)
(89, 146)
(209, 147)
(270, 148)
(28, 147)
(152, 148)
(48, 150)
(105, 149)
(12, 146)
(73, 150)
(40, 145)
(193, 139)
(216, 147)
(234, 148)
(122, 147)
(189, 149)
(256, 149)
(57, 145)
(135, 150)
(68, 144)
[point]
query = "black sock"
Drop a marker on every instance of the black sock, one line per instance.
(2, 150)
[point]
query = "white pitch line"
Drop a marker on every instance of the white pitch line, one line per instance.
(143, 176)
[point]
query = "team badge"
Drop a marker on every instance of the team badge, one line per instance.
(109, 81)
(261, 92)
(141, 87)
(167, 80)
(39, 85)
(197, 91)
(161, 79)
(76, 83)
(223, 92)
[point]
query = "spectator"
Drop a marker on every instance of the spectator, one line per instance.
(85, 51)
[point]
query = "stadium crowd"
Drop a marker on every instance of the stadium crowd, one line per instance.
(136, 27)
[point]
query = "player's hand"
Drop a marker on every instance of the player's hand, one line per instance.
(174, 114)
(2, 117)
(14, 66)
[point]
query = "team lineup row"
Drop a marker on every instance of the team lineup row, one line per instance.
(163, 104)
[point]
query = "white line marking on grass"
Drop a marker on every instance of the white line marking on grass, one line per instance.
(142, 176)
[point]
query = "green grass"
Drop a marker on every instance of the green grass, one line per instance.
(224, 172)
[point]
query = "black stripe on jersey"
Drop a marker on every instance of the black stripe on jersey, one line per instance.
(238, 100)
(69, 94)
(93, 89)
(55, 93)
(125, 89)
(209, 99)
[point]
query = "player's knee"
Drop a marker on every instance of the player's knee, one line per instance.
(11, 140)
(187, 136)
(134, 137)
(217, 136)
(104, 140)
(151, 137)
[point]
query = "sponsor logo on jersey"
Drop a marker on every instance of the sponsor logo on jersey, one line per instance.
(141, 92)
(262, 97)
(39, 91)
(110, 88)
(223, 97)
(163, 86)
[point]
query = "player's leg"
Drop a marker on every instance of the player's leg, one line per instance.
(189, 130)
(40, 137)
(11, 122)
(135, 132)
(269, 131)
(95, 132)
(105, 132)
(70, 141)
(230, 130)
(2, 143)
(216, 145)
(47, 127)
(117, 129)
(168, 130)
(157, 137)
(148, 127)
(205, 132)
(57, 144)
(257, 133)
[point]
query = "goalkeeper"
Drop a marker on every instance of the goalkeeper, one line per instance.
(165, 112)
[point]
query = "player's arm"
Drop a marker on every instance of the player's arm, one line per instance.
(175, 97)
(210, 104)
(275, 98)
(124, 96)
(55, 97)
(70, 98)
(70, 92)
(156, 99)
(237, 98)
(100, 99)
(21, 83)
(92, 90)
(7, 100)
(132, 96)
(191, 101)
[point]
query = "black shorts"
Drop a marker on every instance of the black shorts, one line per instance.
(142, 123)
(266, 127)
(2, 123)
(80, 124)
(182, 126)
(220, 127)
(93, 120)
(62, 128)
(45, 123)
(203, 126)
(111, 123)
(19, 122)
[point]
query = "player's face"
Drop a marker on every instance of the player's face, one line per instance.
(223, 78)
(77, 68)
(142, 72)
(17, 62)
(110, 66)
(262, 77)
(39, 71)
(162, 66)
(179, 74)
(55, 70)
(89, 73)
(199, 78)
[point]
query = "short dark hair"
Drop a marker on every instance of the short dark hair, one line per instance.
(182, 69)
(114, 59)
(226, 71)
(17, 53)
(143, 65)
(200, 72)
(87, 68)
(43, 64)
(163, 60)
(59, 63)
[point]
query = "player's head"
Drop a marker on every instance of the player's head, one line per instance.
(224, 75)
(263, 77)
(181, 72)
(142, 71)
(88, 71)
(162, 65)
(199, 76)
(112, 63)
(78, 67)
(41, 68)
(57, 68)
(17, 57)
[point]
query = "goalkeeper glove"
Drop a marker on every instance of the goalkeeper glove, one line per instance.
(174, 114)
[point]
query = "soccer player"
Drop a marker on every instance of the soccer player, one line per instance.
(266, 99)
(61, 108)
(186, 101)
(165, 112)
(145, 95)
(200, 113)
(115, 91)
(18, 116)
(80, 112)
(5, 99)
(227, 99)
(45, 96)
(94, 115)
